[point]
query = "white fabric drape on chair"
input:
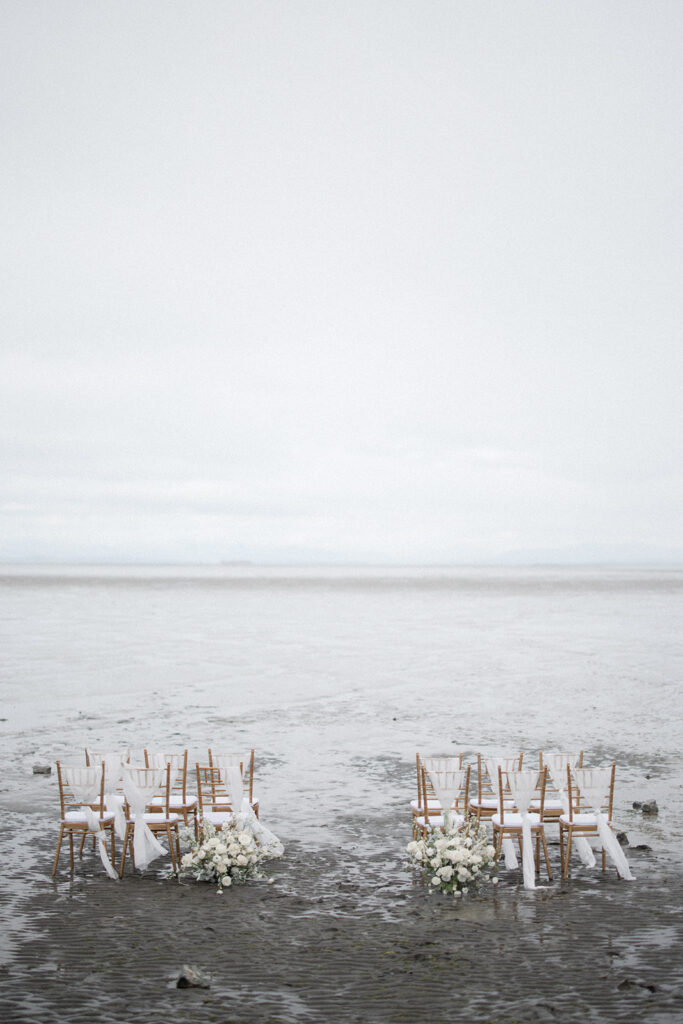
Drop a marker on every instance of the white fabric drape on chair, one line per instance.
(441, 764)
(231, 776)
(492, 766)
(447, 785)
(140, 786)
(160, 760)
(557, 766)
(523, 785)
(594, 784)
(113, 801)
(86, 786)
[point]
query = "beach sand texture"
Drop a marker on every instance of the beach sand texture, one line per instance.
(337, 681)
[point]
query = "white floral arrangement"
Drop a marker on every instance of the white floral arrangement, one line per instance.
(455, 862)
(230, 856)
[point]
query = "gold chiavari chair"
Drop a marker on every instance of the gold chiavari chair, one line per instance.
(434, 805)
(246, 762)
(73, 817)
(509, 823)
(181, 801)
(581, 819)
(485, 803)
(431, 820)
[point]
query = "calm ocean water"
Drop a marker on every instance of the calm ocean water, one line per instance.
(333, 673)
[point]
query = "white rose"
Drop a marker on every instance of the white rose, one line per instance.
(201, 854)
(227, 880)
(435, 880)
(221, 849)
(446, 872)
(242, 860)
(244, 838)
(233, 849)
(187, 860)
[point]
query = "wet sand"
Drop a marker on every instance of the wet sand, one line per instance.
(344, 933)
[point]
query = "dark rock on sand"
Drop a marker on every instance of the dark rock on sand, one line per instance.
(650, 807)
(193, 977)
(622, 838)
(637, 804)
(42, 769)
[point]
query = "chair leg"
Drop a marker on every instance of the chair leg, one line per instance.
(567, 853)
(123, 852)
(59, 846)
(171, 848)
(80, 849)
(71, 850)
(498, 836)
(113, 843)
(547, 858)
(604, 859)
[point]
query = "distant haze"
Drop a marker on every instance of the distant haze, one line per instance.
(341, 280)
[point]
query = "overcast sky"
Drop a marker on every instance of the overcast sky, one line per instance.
(350, 280)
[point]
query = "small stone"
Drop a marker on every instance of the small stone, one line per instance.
(622, 838)
(193, 977)
(42, 769)
(650, 807)
(637, 805)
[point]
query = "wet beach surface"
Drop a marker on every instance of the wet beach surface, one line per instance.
(344, 933)
(337, 683)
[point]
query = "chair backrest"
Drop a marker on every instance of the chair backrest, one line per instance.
(552, 761)
(487, 786)
(522, 787)
(178, 762)
(583, 783)
(150, 782)
(461, 800)
(212, 794)
(80, 787)
(100, 756)
(245, 759)
(451, 762)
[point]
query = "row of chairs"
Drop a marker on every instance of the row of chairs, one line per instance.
(557, 799)
(92, 797)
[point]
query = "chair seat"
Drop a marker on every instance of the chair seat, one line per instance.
(176, 803)
(438, 820)
(217, 817)
(515, 820)
(490, 803)
(582, 820)
(549, 805)
(151, 818)
(79, 818)
(416, 806)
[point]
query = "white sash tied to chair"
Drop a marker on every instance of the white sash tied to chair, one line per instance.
(161, 760)
(447, 785)
(140, 785)
(594, 784)
(113, 801)
(557, 766)
(441, 764)
(492, 765)
(243, 812)
(86, 785)
(523, 785)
